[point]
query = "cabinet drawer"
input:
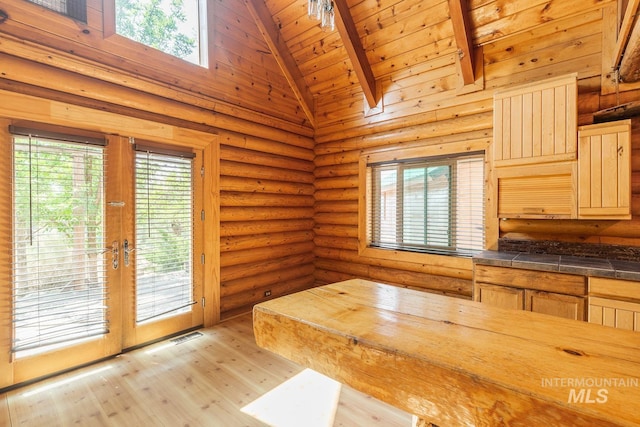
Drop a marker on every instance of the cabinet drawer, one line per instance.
(614, 288)
(537, 280)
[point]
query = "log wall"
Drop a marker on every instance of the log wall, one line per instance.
(266, 220)
(425, 105)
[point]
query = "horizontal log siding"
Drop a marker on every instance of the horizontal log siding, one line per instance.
(266, 221)
(421, 106)
(336, 212)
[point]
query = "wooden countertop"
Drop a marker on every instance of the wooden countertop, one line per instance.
(455, 362)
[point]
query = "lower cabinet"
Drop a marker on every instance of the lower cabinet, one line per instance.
(499, 296)
(561, 305)
(556, 294)
(615, 303)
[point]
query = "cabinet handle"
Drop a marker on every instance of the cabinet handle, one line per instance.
(533, 210)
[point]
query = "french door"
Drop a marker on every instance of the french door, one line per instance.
(103, 247)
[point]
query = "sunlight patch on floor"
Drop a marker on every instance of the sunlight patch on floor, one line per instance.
(55, 384)
(309, 399)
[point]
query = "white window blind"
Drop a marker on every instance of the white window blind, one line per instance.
(164, 235)
(59, 271)
(433, 205)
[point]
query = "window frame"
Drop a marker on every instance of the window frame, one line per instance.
(205, 39)
(426, 149)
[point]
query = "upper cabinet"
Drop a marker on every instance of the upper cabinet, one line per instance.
(541, 170)
(536, 122)
(604, 171)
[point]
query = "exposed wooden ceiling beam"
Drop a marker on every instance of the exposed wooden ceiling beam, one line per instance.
(355, 50)
(625, 30)
(459, 12)
(262, 16)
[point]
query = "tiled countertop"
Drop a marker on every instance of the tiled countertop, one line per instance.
(627, 270)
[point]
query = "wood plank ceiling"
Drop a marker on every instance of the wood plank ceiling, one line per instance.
(370, 37)
(378, 43)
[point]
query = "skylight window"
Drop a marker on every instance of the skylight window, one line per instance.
(175, 27)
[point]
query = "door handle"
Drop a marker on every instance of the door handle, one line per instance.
(115, 254)
(127, 251)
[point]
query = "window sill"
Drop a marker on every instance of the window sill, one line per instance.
(449, 261)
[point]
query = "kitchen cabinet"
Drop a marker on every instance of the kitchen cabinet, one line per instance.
(556, 294)
(560, 305)
(604, 171)
(537, 191)
(615, 303)
(536, 122)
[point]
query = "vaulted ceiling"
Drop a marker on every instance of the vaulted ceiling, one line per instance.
(372, 40)
(379, 45)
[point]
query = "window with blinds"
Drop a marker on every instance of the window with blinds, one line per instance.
(164, 234)
(432, 205)
(59, 272)
(76, 9)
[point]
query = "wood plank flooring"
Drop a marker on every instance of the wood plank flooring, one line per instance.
(205, 381)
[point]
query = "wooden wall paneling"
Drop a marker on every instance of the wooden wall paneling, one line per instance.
(243, 271)
(336, 230)
(112, 89)
(277, 143)
(233, 243)
(269, 279)
(331, 245)
(262, 253)
(459, 270)
(242, 303)
(266, 220)
(521, 15)
(543, 36)
(241, 228)
(241, 184)
(237, 154)
(127, 56)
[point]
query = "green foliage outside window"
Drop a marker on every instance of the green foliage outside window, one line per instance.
(162, 24)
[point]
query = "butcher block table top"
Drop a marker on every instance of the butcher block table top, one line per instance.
(455, 362)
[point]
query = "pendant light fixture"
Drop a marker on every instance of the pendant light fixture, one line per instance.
(322, 10)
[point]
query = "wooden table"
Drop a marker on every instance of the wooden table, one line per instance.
(455, 362)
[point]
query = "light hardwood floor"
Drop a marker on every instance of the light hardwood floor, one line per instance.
(205, 381)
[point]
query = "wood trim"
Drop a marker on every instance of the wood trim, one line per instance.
(211, 245)
(6, 243)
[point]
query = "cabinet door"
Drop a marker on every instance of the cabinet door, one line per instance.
(567, 306)
(500, 296)
(614, 313)
(536, 122)
(545, 191)
(604, 171)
